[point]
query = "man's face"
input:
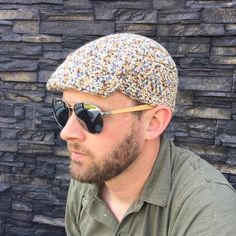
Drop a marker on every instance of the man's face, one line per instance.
(96, 158)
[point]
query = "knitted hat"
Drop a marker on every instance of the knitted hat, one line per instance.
(128, 63)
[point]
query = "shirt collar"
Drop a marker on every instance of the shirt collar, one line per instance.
(157, 187)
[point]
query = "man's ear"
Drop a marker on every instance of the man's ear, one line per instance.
(158, 119)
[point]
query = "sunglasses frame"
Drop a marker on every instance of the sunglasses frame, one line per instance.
(103, 113)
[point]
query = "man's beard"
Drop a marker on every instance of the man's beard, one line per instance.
(109, 166)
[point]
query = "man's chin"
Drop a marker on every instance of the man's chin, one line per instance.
(78, 173)
(75, 169)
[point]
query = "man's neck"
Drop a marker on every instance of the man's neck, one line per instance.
(122, 191)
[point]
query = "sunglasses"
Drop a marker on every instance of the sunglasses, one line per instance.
(89, 115)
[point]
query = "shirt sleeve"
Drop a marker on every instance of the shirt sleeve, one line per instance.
(210, 210)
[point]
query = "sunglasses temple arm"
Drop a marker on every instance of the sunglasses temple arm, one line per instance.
(129, 109)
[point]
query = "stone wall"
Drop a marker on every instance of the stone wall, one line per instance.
(37, 35)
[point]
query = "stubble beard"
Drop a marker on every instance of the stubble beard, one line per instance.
(111, 165)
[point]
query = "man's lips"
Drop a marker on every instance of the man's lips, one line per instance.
(76, 156)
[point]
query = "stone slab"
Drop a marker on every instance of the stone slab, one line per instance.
(229, 60)
(24, 96)
(189, 48)
(203, 112)
(5, 29)
(222, 84)
(185, 98)
(60, 151)
(8, 145)
(44, 75)
(41, 38)
(219, 15)
(19, 76)
(62, 173)
(198, 140)
(12, 164)
(10, 37)
(37, 136)
(68, 15)
(25, 180)
(213, 94)
(6, 110)
(19, 14)
(20, 50)
(46, 64)
(73, 41)
(195, 63)
(49, 221)
(4, 187)
(224, 41)
(75, 4)
(226, 169)
(190, 30)
(22, 215)
(186, 17)
(54, 55)
(170, 4)
(126, 15)
(143, 29)
(209, 3)
(202, 134)
(22, 86)
(223, 51)
(52, 47)
(7, 122)
(5, 22)
(26, 27)
(207, 72)
(19, 65)
(136, 16)
(124, 4)
(231, 28)
(227, 140)
(46, 231)
(8, 156)
(77, 27)
(28, 147)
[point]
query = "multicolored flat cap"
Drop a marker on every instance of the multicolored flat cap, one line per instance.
(128, 63)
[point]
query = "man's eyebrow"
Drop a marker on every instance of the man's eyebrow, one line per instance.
(68, 102)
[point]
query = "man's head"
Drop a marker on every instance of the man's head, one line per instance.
(113, 73)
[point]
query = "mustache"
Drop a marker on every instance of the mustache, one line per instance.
(74, 146)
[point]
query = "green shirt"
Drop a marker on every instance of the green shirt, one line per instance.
(183, 196)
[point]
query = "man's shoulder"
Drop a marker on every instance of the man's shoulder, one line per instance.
(191, 174)
(200, 195)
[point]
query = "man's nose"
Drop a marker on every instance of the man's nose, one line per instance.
(73, 130)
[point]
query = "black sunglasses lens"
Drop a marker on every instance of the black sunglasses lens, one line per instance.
(61, 112)
(90, 115)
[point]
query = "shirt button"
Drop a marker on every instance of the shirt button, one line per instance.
(105, 214)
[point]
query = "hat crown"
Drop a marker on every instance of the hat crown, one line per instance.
(132, 64)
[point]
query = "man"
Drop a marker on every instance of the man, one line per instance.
(127, 178)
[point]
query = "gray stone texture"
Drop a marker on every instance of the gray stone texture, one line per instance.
(219, 15)
(77, 27)
(37, 35)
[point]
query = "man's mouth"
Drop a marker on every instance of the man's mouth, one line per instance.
(77, 156)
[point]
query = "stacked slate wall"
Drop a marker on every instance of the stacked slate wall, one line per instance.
(37, 35)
